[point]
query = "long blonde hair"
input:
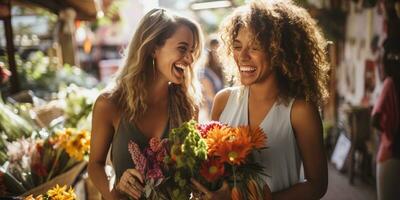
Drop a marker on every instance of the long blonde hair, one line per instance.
(130, 92)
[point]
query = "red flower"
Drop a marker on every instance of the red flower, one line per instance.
(4, 73)
(205, 128)
(39, 169)
(212, 169)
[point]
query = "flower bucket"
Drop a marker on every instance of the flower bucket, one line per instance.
(68, 178)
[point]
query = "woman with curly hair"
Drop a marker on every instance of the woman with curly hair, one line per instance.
(279, 54)
(153, 93)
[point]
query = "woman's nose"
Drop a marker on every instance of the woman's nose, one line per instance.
(189, 57)
(244, 54)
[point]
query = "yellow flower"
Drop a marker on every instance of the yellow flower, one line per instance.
(56, 190)
(61, 193)
(78, 145)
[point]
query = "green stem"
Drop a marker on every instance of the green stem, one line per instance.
(70, 163)
(54, 164)
(234, 176)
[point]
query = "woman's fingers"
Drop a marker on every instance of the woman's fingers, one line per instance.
(267, 193)
(130, 183)
(135, 183)
(131, 191)
(225, 187)
(136, 174)
(201, 188)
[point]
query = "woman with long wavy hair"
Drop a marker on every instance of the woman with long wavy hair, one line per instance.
(153, 92)
(279, 54)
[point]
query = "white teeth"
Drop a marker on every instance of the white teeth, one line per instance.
(247, 69)
(180, 66)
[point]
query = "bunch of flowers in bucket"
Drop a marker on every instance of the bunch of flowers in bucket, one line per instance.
(33, 162)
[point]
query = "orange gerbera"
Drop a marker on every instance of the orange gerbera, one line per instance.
(234, 149)
(212, 169)
(257, 137)
(216, 136)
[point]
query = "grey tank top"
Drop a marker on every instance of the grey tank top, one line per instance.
(120, 156)
(281, 159)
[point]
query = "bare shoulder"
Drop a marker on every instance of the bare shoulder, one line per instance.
(105, 106)
(306, 114)
(104, 101)
(219, 103)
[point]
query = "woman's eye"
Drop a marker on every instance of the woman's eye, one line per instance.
(237, 47)
(182, 49)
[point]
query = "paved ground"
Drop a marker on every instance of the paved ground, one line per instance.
(339, 188)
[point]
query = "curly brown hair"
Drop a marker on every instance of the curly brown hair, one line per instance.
(292, 41)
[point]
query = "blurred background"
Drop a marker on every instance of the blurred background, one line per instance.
(61, 53)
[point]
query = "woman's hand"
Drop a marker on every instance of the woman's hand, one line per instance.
(131, 184)
(267, 193)
(221, 194)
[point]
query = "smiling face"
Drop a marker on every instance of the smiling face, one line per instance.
(250, 58)
(174, 58)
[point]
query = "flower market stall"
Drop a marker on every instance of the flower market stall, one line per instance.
(45, 114)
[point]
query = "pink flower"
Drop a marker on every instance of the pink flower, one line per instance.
(137, 157)
(155, 173)
(204, 128)
(156, 144)
(158, 148)
(161, 155)
(4, 73)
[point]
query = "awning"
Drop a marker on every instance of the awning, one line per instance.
(85, 9)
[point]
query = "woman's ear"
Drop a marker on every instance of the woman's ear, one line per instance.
(155, 52)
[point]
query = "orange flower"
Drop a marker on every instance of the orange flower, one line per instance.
(234, 149)
(235, 194)
(212, 169)
(216, 136)
(258, 138)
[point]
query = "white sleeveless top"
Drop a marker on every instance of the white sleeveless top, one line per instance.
(281, 159)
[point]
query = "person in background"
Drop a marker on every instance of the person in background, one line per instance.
(155, 91)
(386, 118)
(279, 54)
(211, 78)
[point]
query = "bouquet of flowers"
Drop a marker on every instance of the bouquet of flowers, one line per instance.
(229, 159)
(168, 164)
(33, 162)
(57, 192)
(211, 153)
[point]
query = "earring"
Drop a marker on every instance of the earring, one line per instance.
(154, 69)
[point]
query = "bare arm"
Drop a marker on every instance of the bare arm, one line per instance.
(101, 138)
(307, 126)
(220, 100)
